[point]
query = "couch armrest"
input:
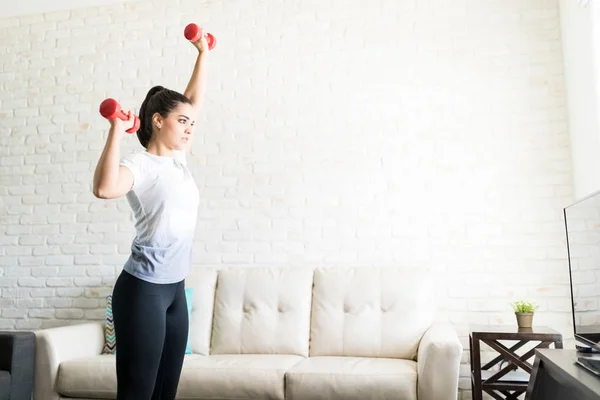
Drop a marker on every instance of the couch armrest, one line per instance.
(438, 363)
(56, 345)
(17, 356)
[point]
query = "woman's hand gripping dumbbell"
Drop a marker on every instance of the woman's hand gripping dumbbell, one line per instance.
(112, 111)
(194, 34)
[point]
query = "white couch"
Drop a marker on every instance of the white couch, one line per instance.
(284, 333)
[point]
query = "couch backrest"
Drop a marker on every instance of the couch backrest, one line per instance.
(262, 311)
(366, 311)
(370, 311)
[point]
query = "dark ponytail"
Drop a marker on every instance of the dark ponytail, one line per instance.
(158, 100)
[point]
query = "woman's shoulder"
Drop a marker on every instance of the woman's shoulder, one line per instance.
(138, 157)
(142, 166)
(137, 160)
(134, 155)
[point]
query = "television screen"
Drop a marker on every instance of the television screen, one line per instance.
(582, 224)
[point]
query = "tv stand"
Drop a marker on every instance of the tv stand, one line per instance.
(564, 374)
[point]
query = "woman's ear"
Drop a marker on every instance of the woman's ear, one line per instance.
(157, 120)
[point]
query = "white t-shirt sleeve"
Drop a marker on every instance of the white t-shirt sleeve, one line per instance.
(136, 164)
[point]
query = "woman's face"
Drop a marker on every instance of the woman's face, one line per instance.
(175, 131)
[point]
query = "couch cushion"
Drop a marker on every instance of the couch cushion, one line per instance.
(370, 312)
(348, 378)
(203, 281)
(236, 376)
(203, 377)
(90, 377)
(262, 311)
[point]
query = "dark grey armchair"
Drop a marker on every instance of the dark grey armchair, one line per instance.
(17, 365)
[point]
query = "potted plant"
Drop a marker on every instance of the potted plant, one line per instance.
(524, 311)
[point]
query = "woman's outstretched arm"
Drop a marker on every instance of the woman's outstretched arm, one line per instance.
(197, 85)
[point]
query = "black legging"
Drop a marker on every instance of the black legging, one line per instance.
(151, 328)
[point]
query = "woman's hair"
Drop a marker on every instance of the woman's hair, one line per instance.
(158, 100)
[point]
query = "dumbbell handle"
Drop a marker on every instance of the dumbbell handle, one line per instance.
(193, 32)
(111, 109)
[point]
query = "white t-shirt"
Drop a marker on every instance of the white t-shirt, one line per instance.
(164, 199)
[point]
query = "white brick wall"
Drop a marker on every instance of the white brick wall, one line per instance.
(334, 133)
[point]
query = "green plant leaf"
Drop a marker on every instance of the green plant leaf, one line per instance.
(523, 306)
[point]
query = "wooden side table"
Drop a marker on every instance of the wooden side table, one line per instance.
(511, 380)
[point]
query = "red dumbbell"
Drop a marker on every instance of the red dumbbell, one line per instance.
(193, 32)
(111, 109)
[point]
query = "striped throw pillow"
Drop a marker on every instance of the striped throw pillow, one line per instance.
(110, 344)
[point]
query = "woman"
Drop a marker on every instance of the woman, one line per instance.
(149, 305)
